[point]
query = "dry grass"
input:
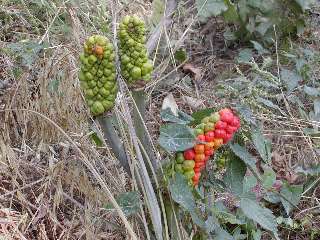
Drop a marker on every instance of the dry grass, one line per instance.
(46, 191)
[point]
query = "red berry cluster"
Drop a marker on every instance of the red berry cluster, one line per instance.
(214, 131)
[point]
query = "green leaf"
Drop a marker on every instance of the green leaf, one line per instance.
(244, 155)
(181, 194)
(249, 182)
(256, 234)
(290, 78)
(245, 56)
(269, 104)
(292, 194)
(129, 203)
(259, 214)
(257, 46)
(180, 55)
(268, 178)
(176, 137)
(305, 4)
(314, 92)
(168, 116)
(210, 8)
(262, 144)
(247, 114)
(199, 115)
(234, 175)
(231, 15)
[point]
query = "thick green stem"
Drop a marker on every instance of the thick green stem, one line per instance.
(114, 141)
(139, 119)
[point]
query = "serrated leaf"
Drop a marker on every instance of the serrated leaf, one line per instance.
(290, 78)
(291, 193)
(262, 145)
(259, 214)
(210, 8)
(245, 156)
(311, 91)
(168, 116)
(181, 194)
(176, 137)
(233, 178)
(129, 203)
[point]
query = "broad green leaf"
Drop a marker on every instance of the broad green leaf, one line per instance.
(292, 194)
(245, 56)
(249, 182)
(256, 234)
(262, 145)
(305, 4)
(168, 116)
(210, 8)
(257, 46)
(222, 234)
(181, 194)
(245, 156)
(199, 115)
(311, 91)
(269, 104)
(259, 214)
(180, 55)
(176, 137)
(231, 15)
(129, 203)
(290, 78)
(263, 27)
(247, 114)
(268, 178)
(236, 169)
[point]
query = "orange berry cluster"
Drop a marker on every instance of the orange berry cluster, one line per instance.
(214, 131)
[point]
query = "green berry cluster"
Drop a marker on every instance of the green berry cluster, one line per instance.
(98, 74)
(135, 64)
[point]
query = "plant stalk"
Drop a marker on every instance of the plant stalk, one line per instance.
(139, 113)
(114, 141)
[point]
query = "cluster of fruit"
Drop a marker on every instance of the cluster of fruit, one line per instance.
(214, 131)
(135, 64)
(98, 74)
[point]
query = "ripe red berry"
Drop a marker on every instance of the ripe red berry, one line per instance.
(208, 152)
(231, 129)
(201, 138)
(189, 154)
(199, 164)
(221, 125)
(196, 169)
(196, 177)
(226, 117)
(227, 138)
(209, 136)
(220, 133)
(206, 158)
(225, 110)
(199, 148)
(235, 122)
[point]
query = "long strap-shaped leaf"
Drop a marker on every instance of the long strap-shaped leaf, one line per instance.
(153, 204)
